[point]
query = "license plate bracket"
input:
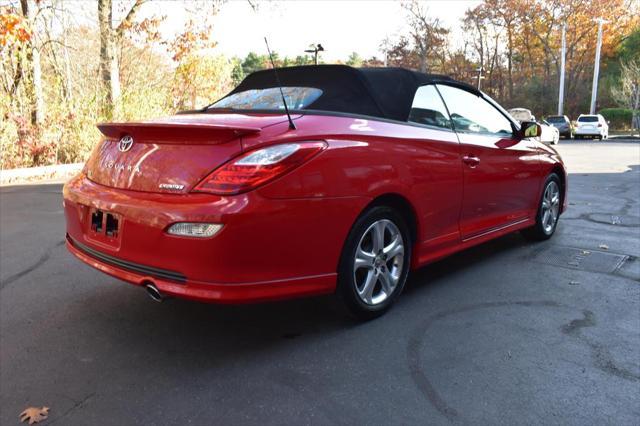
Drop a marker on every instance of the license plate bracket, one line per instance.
(105, 227)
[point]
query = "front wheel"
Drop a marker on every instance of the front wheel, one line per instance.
(548, 211)
(375, 263)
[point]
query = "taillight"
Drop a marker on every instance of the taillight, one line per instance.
(599, 124)
(258, 167)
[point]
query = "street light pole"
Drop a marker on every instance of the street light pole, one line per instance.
(315, 49)
(563, 52)
(480, 77)
(596, 68)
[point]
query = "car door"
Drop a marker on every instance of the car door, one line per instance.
(501, 172)
(436, 171)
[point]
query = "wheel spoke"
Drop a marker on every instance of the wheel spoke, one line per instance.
(367, 289)
(363, 259)
(394, 248)
(387, 281)
(545, 218)
(378, 236)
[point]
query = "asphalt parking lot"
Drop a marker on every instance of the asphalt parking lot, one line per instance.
(509, 332)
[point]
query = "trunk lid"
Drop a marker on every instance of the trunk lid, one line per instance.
(170, 155)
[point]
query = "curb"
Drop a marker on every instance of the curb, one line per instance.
(35, 174)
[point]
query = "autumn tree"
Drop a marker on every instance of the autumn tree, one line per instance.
(21, 66)
(427, 34)
(202, 75)
(517, 42)
(15, 33)
(110, 39)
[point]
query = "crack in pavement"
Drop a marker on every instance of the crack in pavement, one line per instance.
(76, 405)
(43, 259)
(602, 358)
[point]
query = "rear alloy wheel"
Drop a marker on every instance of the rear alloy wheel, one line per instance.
(375, 263)
(548, 211)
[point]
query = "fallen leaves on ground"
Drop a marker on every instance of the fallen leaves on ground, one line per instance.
(34, 414)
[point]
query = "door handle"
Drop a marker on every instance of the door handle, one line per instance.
(471, 160)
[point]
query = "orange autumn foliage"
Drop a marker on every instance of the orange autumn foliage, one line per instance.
(13, 29)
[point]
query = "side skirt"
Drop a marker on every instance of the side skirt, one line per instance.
(426, 253)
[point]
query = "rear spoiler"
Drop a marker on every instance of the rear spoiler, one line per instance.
(176, 132)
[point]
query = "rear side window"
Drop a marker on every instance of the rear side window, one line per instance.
(270, 98)
(428, 109)
(588, 119)
(472, 114)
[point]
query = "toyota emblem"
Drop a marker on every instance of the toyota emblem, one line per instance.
(125, 144)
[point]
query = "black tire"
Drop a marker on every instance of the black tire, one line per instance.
(540, 232)
(348, 286)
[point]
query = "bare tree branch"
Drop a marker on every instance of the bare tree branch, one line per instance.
(128, 19)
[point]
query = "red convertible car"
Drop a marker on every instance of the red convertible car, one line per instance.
(374, 173)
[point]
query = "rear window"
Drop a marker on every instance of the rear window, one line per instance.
(555, 119)
(588, 119)
(270, 98)
(521, 114)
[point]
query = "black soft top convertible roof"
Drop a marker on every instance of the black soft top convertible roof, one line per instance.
(377, 92)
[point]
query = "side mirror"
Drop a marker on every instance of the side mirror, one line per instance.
(529, 129)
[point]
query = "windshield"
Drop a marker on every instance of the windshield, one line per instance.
(588, 119)
(555, 119)
(270, 98)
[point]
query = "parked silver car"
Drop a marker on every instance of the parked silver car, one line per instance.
(563, 124)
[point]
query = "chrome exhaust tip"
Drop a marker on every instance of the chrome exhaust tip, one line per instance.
(154, 293)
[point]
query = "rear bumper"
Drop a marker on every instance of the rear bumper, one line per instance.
(268, 248)
(589, 132)
(214, 292)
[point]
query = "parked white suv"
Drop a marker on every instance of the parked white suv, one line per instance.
(594, 126)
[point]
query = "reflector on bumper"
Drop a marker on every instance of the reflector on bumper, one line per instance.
(189, 229)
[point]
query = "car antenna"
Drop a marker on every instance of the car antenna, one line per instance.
(292, 126)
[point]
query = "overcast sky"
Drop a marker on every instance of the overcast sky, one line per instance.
(341, 26)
